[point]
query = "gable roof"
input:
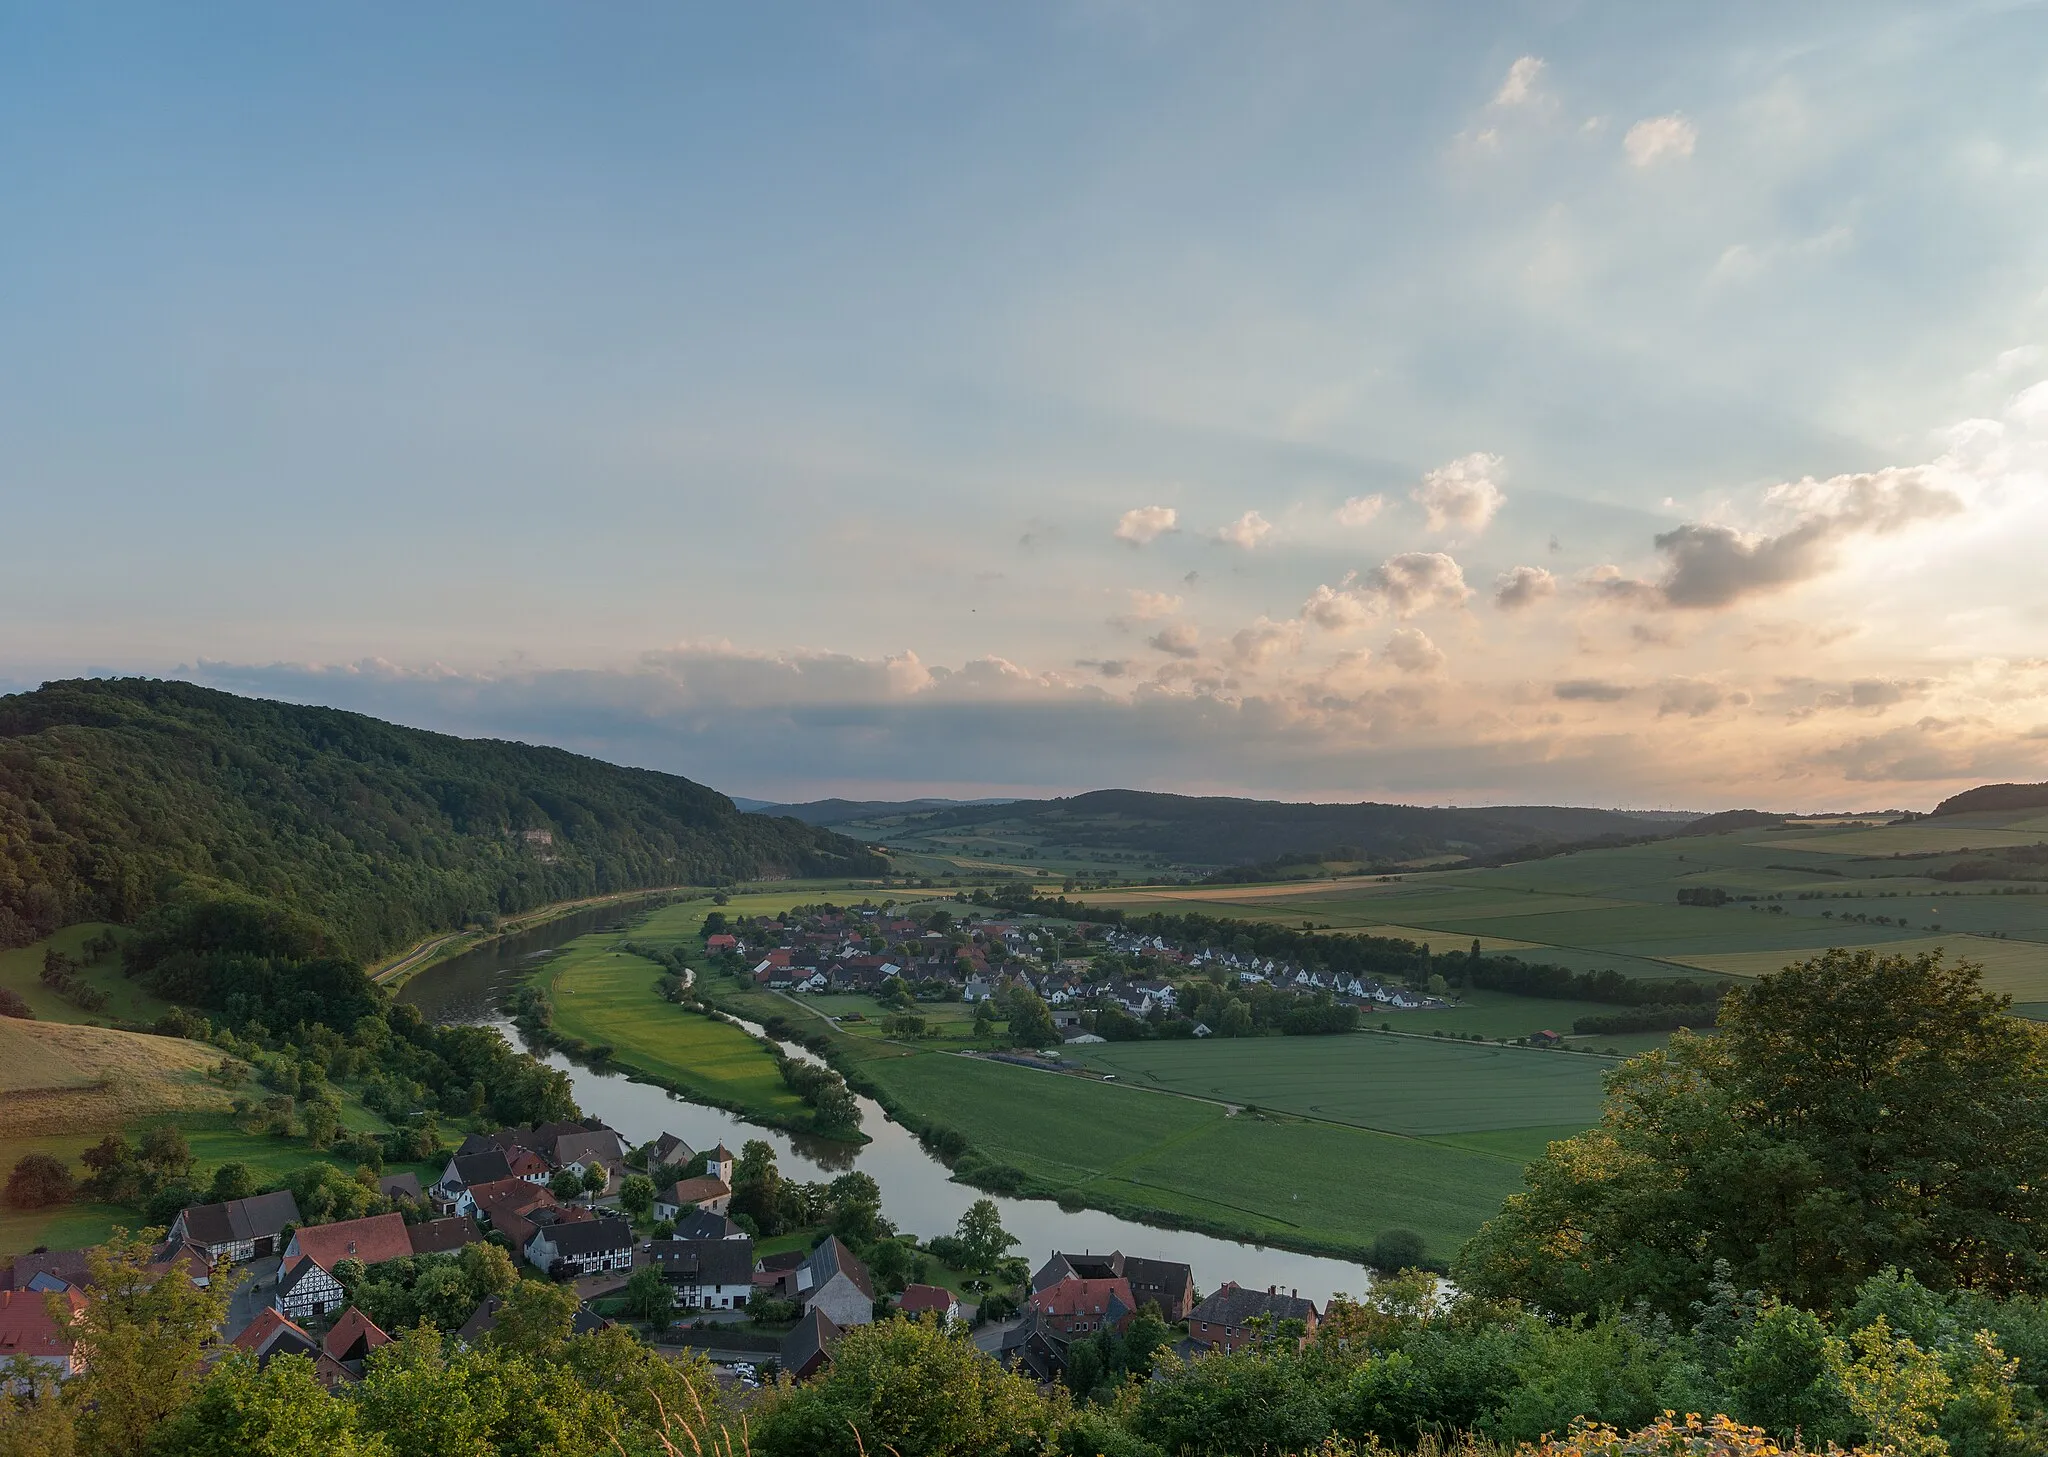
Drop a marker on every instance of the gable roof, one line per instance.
(241, 1220)
(486, 1167)
(298, 1273)
(401, 1186)
(917, 1299)
(26, 1328)
(484, 1319)
(706, 1225)
(834, 1258)
(1234, 1305)
(351, 1328)
(699, 1190)
(1109, 1299)
(588, 1236)
(668, 1149)
(373, 1240)
(1147, 1274)
(585, 1145)
(443, 1236)
(704, 1261)
(814, 1336)
(272, 1334)
(38, 1271)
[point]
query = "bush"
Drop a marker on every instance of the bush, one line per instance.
(11, 1005)
(38, 1181)
(1071, 1200)
(1395, 1250)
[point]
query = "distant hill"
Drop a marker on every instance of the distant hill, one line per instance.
(1995, 797)
(1217, 831)
(114, 790)
(845, 811)
(1732, 819)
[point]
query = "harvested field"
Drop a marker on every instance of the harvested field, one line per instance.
(60, 1078)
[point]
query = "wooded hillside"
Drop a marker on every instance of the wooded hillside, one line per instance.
(114, 791)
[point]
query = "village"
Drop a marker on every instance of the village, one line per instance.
(556, 1204)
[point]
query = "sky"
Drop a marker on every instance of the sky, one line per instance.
(1538, 403)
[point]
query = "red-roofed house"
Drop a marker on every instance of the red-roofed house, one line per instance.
(27, 1331)
(721, 942)
(937, 1299)
(307, 1287)
(1077, 1307)
(351, 1339)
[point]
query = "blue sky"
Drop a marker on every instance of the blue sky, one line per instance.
(1614, 404)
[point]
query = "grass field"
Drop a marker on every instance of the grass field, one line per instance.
(55, 1077)
(21, 967)
(1288, 1180)
(1413, 1085)
(608, 998)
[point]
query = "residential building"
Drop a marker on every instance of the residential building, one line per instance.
(807, 1350)
(1035, 1347)
(704, 1192)
(239, 1230)
(834, 1280)
(670, 1150)
(516, 1209)
(372, 1240)
(306, 1290)
(27, 1331)
(351, 1339)
(706, 1225)
(1224, 1320)
(708, 1274)
(484, 1319)
(584, 1247)
(443, 1236)
(1077, 1306)
(918, 1300)
(402, 1186)
(271, 1335)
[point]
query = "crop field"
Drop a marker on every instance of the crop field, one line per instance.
(2018, 969)
(608, 998)
(1265, 1175)
(1395, 1084)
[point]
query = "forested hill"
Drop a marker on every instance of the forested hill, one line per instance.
(1995, 797)
(114, 791)
(1222, 831)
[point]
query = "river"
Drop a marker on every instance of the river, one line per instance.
(918, 1194)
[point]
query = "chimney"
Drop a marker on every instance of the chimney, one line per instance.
(1296, 1294)
(1272, 1290)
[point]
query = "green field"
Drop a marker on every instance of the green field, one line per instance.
(21, 967)
(1288, 1180)
(1395, 1084)
(608, 998)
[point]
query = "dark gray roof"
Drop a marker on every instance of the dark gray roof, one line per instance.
(1157, 1274)
(589, 1236)
(816, 1332)
(1234, 1305)
(833, 1258)
(472, 1169)
(706, 1225)
(1085, 1267)
(66, 1267)
(238, 1220)
(704, 1261)
(401, 1186)
(441, 1236)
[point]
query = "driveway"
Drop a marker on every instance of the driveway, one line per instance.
(259, 1285)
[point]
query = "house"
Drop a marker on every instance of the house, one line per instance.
(584, 1247)
(1545, 1038)
(402, 1186)
(350, 1340)
(834, 1280)
(372, 1240)
(305, 1290)
(239, 1230)
(271, 1335)
(1223, 1321)
(704, 1192)
(28, 1333)
(917, 1300)
(468, 1171)
(708, 1274)
(1077, 1306)
(579, 1151)
(46, 1271)
(1035, 1347)
(484, 1319)
(807, 1350)
(721, 943)
(706, 1225)
(976, 990)
(443, 1236)
(1167, 1284)
(515, 1209)
(670, 1150)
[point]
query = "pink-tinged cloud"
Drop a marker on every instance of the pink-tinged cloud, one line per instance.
(1143, 525)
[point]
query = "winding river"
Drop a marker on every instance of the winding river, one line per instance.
(917, 1192)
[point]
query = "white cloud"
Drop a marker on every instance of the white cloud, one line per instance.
(1149, 606)
(1417, 581)
(1657, 139)
(1247, 531)
(1143, 524)
(1251, 646)
(1462, 495)
(1340, 608)
(1411, 650)
(1520, 85)
(1177, 640)
(1521, 587)
(1360, 510)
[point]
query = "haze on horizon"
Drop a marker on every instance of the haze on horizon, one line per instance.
(1565, 403)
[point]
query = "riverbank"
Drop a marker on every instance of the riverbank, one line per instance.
(395, 971)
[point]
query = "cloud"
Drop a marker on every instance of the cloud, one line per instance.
(1177, 640)
(1247, 531)
(1360, 510)
(1462, 495)
(1659, 139)
(1696, 698)
(1144, 524)
(1108, 667)
(1711, 566)
(1410, 650)
(1590, 690)
(1148, 606)
(1416, 581)
(1340, 608)
(1521, 587)
(1250, 647)
(1520, 86)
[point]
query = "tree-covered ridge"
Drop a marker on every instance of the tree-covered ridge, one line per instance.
(114, 790)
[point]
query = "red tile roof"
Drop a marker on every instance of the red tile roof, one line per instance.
(26, 1328)
(373, 1240)
(917, 1299)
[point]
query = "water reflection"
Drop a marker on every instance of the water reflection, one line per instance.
(917, 1192)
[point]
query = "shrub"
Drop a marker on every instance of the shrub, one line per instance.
(38, 1181)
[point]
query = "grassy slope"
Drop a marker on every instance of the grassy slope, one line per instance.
(21, 966)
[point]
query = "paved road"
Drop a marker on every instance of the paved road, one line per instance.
(259, 1284)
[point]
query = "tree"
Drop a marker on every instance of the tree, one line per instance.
(981, 1234)
(1797, 1145)
(277, 1410)
(165, 1149)
(856, 1208)
(984, 1022)
(535, 1318)
(566, 1184)
(1030, 1022)
(1395, 1250)
(232, 1181)
(650, 1297)
(145, 1333)
(636, 1195)
(596, 1179)
(38, 1181)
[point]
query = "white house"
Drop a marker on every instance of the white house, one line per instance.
(587, 1247)
(708, 1274)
